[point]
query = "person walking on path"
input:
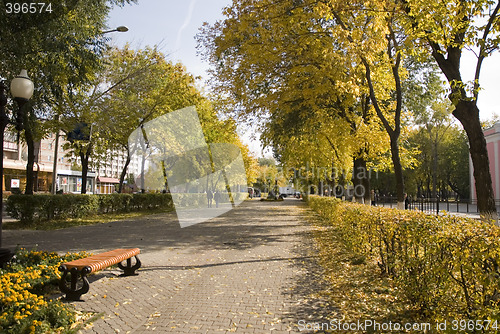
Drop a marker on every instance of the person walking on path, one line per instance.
(217, 198)
(210, 196)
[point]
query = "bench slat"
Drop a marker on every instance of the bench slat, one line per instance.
(103, 260)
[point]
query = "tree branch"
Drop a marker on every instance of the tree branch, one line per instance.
(482, 52)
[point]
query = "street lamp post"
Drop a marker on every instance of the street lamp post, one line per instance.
(21, 89)
(56, 143)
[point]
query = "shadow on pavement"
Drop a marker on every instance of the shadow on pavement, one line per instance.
(311, 290)
(241, 228)
(154, 268)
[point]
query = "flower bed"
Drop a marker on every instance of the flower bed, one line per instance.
(24, 284)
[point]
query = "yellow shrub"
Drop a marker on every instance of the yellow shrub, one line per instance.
(447, 267)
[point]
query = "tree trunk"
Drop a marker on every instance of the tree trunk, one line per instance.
(54, 189)
(398, 172)
(85, 167)
(434, 166)
(124, 172)
(331, 180)
(468, 114)
(165, 179)
(84, 157)
(361, 181)
(54, 166)
(342, 186)
(143, 167)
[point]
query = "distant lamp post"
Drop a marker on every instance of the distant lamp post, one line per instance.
(21, 89)
(117, 29)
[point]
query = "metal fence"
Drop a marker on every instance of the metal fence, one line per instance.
(434, 205)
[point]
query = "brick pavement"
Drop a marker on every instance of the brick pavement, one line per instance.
(251, 270)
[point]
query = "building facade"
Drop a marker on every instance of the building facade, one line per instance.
(492, 136)
(68, 178)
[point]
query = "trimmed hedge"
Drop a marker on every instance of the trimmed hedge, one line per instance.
(446, 267)
(44, 207)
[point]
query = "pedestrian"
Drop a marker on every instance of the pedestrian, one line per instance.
(210, 196)
(407, 201)
(217, 198)
(373, 198)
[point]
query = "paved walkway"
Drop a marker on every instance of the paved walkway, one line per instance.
(251, 270)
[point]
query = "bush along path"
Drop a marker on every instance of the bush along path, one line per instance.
(31, 209)
(409, 269)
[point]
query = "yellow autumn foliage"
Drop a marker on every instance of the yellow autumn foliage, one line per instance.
(446, 267)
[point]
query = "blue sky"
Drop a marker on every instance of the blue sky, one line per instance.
(170, 23)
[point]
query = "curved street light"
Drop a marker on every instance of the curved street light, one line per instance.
(117, 29)
(56, 145)
(21, 89)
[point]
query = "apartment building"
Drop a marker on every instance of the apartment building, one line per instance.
(68, 171)
(109, 171)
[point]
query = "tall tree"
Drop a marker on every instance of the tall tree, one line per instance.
(375, 35)
(82, 123)
(60, 45)
(279, 66)
(454, 162)
(146, 86)
(451, 172)
(448, 28)
(426, 101)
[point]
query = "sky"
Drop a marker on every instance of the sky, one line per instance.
(172, 24)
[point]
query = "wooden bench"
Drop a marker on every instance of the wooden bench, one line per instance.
(82, 267)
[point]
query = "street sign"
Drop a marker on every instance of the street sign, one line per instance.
(15, 183)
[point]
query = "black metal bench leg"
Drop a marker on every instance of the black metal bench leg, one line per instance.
(129, 270)
(72, 293)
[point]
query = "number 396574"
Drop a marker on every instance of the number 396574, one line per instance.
(28, 7)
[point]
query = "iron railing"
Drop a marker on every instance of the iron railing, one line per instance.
(434, 205)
